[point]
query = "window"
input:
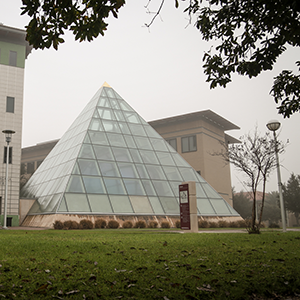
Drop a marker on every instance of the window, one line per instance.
(9, 155)
(188, 144)
(173, 143)
(10, 104)
(13, 58)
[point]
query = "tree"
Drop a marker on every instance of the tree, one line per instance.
(250, 35)
(242, 204)
(272, 211)
(255, 158)
(291, 195)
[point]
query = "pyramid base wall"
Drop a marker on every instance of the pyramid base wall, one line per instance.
(48, 220)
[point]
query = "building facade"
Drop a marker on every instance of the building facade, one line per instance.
(13, 51)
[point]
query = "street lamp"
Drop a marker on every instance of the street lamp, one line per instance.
(274, 125)
(8, 134)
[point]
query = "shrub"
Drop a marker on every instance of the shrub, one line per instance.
(223, 224)
(153, 224)
(274, 225)
(127, 224)
(58, 225)
(178, 224)
(213, 225)
(74, 225)
(67, 224)
(242, 224)
(86, 224)
(100, 223)
(140, 224)
(203, 224)
(233, 224)
(165, 225)
(113, 224)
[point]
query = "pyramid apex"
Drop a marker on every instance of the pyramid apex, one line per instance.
(106, 84)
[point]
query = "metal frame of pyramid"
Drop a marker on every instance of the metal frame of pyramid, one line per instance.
(111, 162)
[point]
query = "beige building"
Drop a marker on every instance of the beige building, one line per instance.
(13, 52)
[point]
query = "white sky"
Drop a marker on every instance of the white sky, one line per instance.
(158, 72)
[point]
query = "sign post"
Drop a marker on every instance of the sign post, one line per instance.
(188, 206)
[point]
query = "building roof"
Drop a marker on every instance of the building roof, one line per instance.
(204, 114)
(15, 36)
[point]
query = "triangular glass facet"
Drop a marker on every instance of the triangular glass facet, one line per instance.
(110, 161)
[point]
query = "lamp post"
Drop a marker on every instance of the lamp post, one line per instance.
(8, 134)
(274, 125)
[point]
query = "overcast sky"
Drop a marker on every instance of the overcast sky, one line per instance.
(157, 71)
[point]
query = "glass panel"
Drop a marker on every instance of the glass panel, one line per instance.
(109, 168)
(155, 172)
(104, 102)
(96, 125)
(103, 152)
(88, 167)
(119, 115)
(149, 157)
(87, 139)
(121, 154)
(125, 106)
(93, 185)
(156, 205)
(95, 115)
(172, 173)
(151, 132)
(199, 191)
(188, 174)
(127, 170)
(142, 171)
(210, 192)
(121, 204)
(143, 143)
(114, 186)
(76, 170)
(116, 140)
(137, 129)
(179, 161)
(106, 113)
(205, 207)
(162, 188)
(75, 184)
(114, 104)
(165, 158)
(77, 203)
(220, 207)
(159, 144)
(136, 156)
(98, 138)
(130, 142)
(111, 126)
(100, 203)
(175, 187)
(150, 191)
(134, 187)
(141, 205)
(132, 117)
(110, 92)
(124, 128)
(53, 203)
(170, 205)
(86, 151)
(63, 206)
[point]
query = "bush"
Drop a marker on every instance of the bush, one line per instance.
(67, 224)
(153, 224)
(223, 224)
(74, 225)
(165, 225)
(233, 224)
(203, 224)
(127, 224)
(140, 224)
(241, 223)
(113, 224)
(58, 225)
(213, 225)
(86, 224)
(178, 224)
(274, 225)
(100, 223)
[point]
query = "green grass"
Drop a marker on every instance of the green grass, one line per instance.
(140, 264)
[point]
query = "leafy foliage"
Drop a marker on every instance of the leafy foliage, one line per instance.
(140, 224)
(100, 223)
(165, 224)
(113, 224)
(291, 195)
(127, 224)
(50, 19)
(86, 224)
(153, 224)
(242, 204)
(58, 225)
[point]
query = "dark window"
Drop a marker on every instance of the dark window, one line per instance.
(188, 144)
(13, 58)
(9, 155)
(30, 167)
(173, 143)
(10, 104)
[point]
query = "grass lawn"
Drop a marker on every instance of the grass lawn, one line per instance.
(140, 264)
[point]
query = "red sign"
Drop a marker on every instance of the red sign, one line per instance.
(185, 219)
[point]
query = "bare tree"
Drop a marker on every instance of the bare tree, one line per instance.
(255, 157)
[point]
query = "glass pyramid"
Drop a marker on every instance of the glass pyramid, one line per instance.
(110, 161)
